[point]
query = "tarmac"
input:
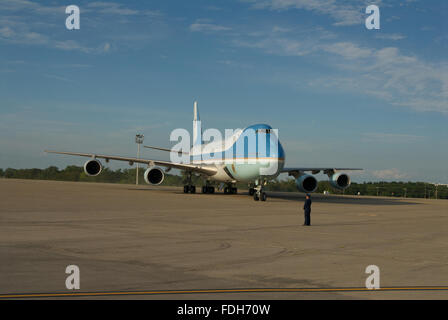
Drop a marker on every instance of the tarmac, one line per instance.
(143, 242)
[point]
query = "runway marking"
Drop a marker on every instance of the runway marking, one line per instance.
(203, 291)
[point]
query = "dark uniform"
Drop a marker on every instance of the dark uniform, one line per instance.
(307, 209)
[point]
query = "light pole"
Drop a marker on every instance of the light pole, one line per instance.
(138, 141)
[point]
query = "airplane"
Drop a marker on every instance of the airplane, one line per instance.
(229, 161)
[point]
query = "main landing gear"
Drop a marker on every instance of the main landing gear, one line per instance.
(189, 188)
(205, 189)
(230, 189)
(208, 189)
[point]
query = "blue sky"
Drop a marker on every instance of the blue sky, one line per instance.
(340, 95)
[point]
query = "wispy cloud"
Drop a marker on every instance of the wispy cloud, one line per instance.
(348, 50)
(390, 36)
(21, 23)
(56, 77)
(72, 45)
(114, 8)
(111, 8)
(19, 33)
(403, 80)
(205, 25)
(344, 13)
(277, 46)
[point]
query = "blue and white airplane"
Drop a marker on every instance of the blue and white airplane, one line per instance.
(253, 155)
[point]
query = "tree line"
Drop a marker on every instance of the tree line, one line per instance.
(127, 176)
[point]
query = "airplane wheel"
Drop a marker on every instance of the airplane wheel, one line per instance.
(186, 189)
(192, 189)
(226, 190)
(211, 189)
(234, 190)
(263, 196)
(251, 191)
(256, 197)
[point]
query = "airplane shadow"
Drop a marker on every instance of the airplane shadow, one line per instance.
(359, 200)
(296, 196)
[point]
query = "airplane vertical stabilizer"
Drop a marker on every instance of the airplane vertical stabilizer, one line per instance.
(197, 131)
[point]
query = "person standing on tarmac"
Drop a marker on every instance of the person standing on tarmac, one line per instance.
(307, 210)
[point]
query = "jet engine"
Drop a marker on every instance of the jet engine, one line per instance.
(340, 181)
(154, 175)
(93, 167)
(306, 183)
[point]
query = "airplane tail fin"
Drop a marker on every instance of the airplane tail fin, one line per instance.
(197, 129)
(196, 111)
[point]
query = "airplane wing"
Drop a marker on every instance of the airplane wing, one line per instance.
(296, 171)
(187, 167)
(165, 149)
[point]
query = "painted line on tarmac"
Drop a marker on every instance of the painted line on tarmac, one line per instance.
(204, 291)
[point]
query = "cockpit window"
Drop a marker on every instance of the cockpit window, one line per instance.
(263, 130)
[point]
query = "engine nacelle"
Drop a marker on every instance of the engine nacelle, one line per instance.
(154, 175)
(340, 181)
(306, 183)
(93, 167)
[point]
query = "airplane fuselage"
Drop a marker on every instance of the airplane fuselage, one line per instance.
(249, 154)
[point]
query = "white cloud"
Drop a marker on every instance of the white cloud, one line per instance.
(111, 8)
(35, 7)
(345, 13)
(386, 73)
(19, 33)
(56, 77)
(6, 32)
(114, 8)
(278, 46)
(21, 23)
(72, 45)
(348, 50)
(206, 26)
(280, 29)
(390, 36)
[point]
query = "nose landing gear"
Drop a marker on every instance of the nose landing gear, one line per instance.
(251, 191)
(260, 196)
(258, 192)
